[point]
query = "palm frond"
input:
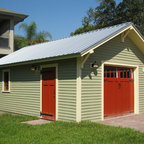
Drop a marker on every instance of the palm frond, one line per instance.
(31, 31)
(42, 36)
(32, 37)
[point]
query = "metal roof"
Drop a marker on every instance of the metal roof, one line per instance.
(78, 44)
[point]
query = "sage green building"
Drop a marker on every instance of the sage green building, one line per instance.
(80, 62)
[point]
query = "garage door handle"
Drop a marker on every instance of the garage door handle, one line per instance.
(119, 85)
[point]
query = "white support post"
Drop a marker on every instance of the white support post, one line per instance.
(86, 57)
(11, 35)
(78, 94)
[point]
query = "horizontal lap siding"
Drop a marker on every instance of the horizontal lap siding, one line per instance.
(24, 96)
(67, 90)
(113, 51)
(91, 91)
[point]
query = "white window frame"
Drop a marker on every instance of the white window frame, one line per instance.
(3, 90)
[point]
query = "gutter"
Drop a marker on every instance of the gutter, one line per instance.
(42, 60)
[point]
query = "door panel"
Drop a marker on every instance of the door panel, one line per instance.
(118, 91)
(49, 93)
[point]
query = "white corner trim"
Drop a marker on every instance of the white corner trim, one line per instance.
(47, 66)
(9, 83)
(136, 90)
(102, 91)
(136, 85)
(78, 91)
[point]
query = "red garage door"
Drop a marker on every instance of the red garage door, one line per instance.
(118, 91)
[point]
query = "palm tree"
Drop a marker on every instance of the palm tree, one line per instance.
(31, 34)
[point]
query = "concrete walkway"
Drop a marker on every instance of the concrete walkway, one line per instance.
(37, 122)
(132, 121)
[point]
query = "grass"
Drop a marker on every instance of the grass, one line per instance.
(14, 132)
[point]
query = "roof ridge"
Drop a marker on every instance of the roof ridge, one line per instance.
(91, 31)
(130, 23)
(101, 29)
(126, 25)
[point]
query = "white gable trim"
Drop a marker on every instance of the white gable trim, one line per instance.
(131, 27)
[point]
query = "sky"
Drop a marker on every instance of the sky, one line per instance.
(59, 17)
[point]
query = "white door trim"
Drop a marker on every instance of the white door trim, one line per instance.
(47, 66)
(136, 85)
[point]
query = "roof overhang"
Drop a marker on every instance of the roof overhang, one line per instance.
(132, 32)
(137, 38)
(39, 61)
(6, 15)
(127, 31)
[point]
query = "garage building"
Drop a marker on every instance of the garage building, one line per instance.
(91, 76)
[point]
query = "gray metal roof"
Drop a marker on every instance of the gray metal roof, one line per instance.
(78, 44)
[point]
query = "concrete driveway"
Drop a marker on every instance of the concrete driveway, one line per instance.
(132, 121)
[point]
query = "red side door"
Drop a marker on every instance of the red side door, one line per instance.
(118, 91)
(49, 93)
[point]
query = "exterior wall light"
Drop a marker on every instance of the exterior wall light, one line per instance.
(34, 68)
(94, 65)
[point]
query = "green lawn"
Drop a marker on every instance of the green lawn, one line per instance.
(14, 132)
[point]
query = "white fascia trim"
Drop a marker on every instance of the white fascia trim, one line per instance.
(78, 91)
(136, 85)
(47, 66)
(138, 34)
(107, 40)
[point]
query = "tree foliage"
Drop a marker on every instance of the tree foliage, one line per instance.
(132, 10)
(20, 42)
(83, 29)
(31, 36)
(109, 13)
